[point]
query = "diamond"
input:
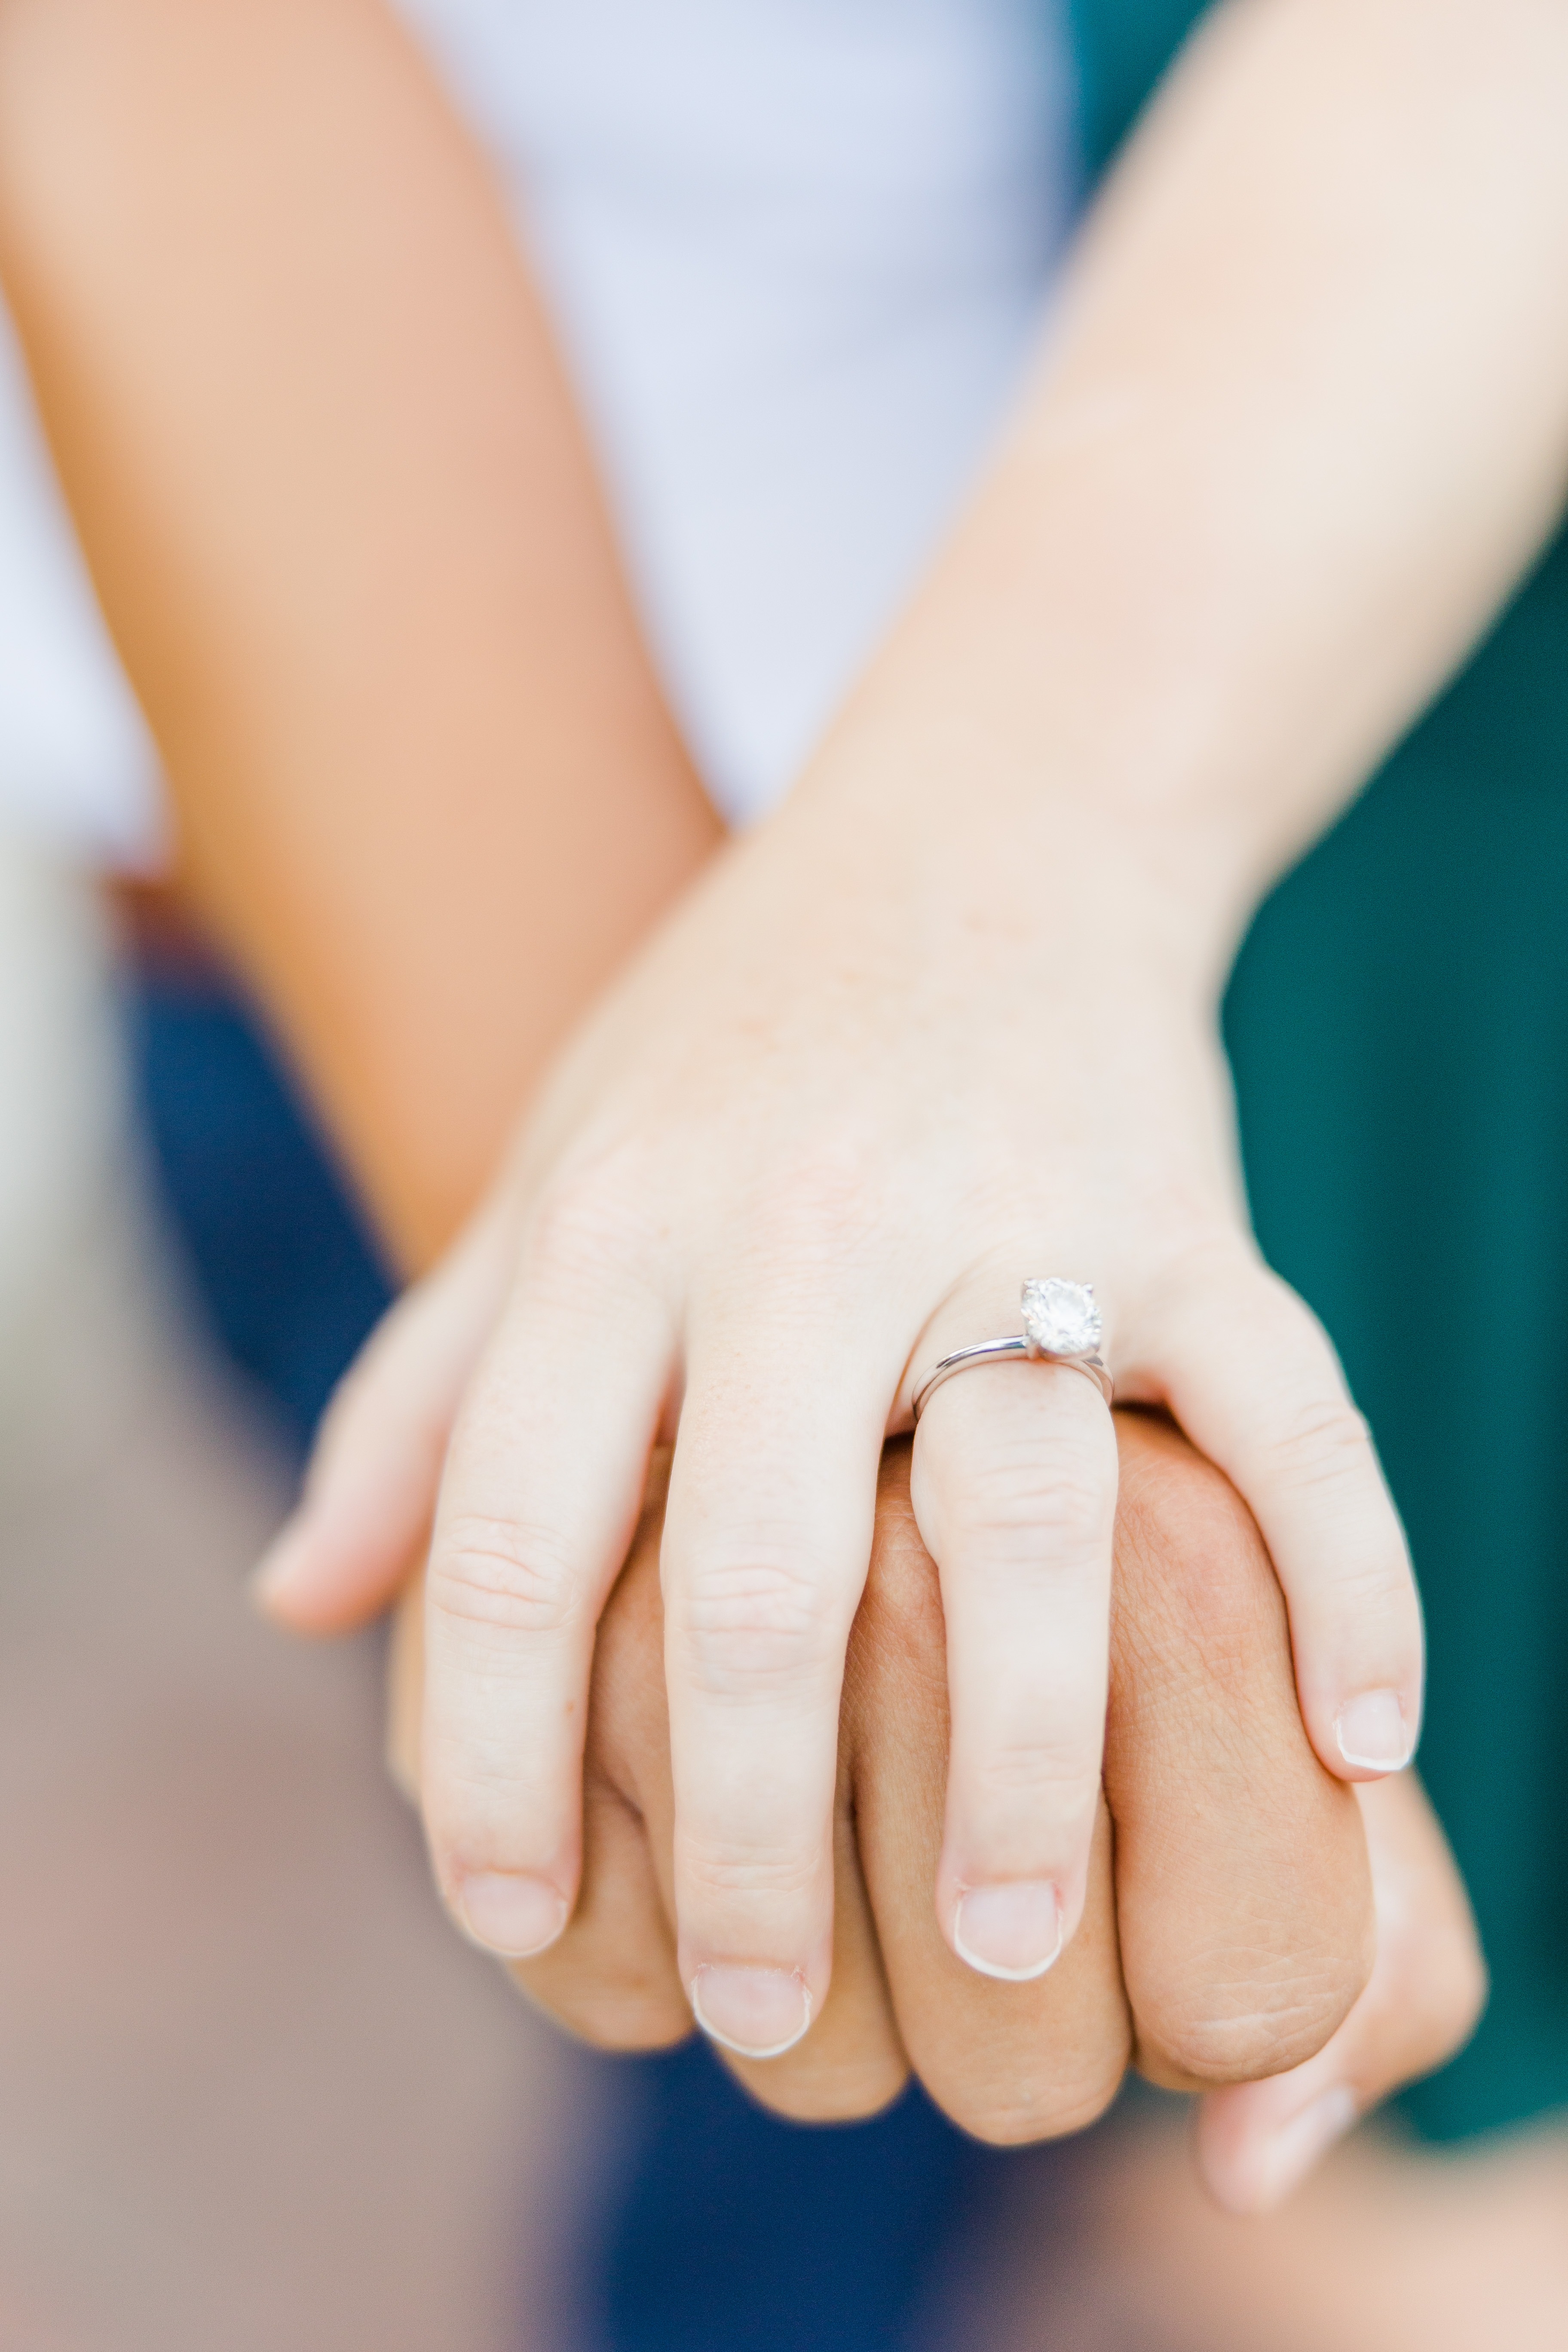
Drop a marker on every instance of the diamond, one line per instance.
(1061, 1317)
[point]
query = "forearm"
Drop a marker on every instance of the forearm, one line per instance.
(1302, 421)
(346, 532)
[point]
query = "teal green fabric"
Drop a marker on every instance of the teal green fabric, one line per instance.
(1120, 48)
(1398, 1026)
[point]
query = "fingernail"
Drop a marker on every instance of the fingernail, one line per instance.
(1373, 1734)
(756, 2012)
(1013, 1931)
(511, 1915)
(1289, 2154)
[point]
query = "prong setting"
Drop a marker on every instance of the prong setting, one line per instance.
(1060, 1318)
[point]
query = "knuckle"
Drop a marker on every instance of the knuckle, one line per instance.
(836, 1180)
(720, 1868)
(1041, 1768)
(590, 1227)
(1016, 1510)
(750, 1625)
(827, 1202)
(1238, 2029)
(1212, 1273)
(1017, 1470)
(499, 1575)
(1322, 1443)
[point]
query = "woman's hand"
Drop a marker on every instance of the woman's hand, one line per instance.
(949, 1024)
(870, 1077)
(1238, 1931)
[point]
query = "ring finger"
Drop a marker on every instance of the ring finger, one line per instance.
(1015, 1493)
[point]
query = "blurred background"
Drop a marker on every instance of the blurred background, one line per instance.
(252, 2091)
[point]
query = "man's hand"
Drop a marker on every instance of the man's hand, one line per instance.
(1229, 1932)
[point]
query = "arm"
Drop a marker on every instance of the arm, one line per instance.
(270, 853)
(343, 524)
(1301, 422)
(1303, 418)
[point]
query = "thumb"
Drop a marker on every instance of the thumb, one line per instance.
(370, 1491)
(1256, 2141)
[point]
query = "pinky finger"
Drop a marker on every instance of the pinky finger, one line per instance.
(1257, 2141)
(1253, 1379)
(370, 1493)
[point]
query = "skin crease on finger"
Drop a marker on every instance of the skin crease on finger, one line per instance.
(611, 1977)
(1240, 1882)
(1243, 1901)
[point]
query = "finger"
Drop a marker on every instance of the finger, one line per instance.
(852, 2062)
(612, 1977)
(1015, 1492)
(765, 1555)
(1251, 1377)
(1007, 2061)
(370, 1493)
(600, 1978)
(541, 1495)
(1244, 1900)
(1258, 2141)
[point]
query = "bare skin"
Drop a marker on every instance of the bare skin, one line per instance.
(353, 553)
(1228, 1907)
(1389, 2248)
(228, 540)
(881, 1064)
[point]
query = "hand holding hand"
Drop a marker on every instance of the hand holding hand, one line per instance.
(1227, 1932)
(765, 1210)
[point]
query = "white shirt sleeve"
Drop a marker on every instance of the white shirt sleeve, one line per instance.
(77, 770)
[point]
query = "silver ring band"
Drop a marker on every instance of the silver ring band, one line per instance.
(1002, 1351)
(1030, 1346)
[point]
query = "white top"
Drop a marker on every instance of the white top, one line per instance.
(76, 769)
(797, 249)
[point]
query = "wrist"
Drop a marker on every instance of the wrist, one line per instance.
(942, 811)
(1048, 696)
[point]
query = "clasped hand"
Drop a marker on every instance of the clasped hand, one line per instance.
(1228, 1927)
(855, 1091)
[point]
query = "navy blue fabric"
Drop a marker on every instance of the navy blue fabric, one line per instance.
(735, 2229)
(282, 1263)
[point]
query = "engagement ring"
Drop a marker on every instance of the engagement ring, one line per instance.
(1061, 1326)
